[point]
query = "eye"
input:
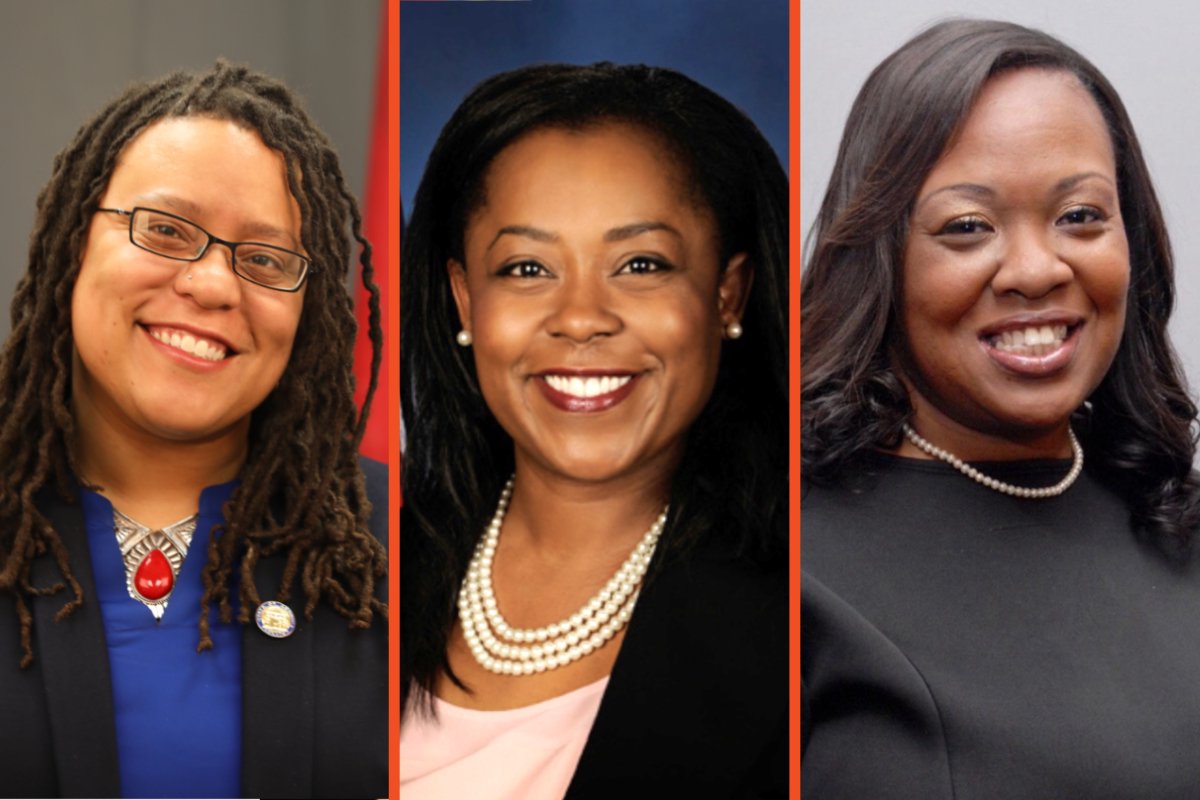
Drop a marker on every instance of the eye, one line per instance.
(163, 234)
(1081, 215)
(165, 230)
(642, 265)
(267, 266)
(524, 269)
(262, 261)
(966, 226)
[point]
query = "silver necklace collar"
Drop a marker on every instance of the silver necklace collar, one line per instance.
(152, 557)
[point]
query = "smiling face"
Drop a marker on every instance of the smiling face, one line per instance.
(175, 350)
(596, 297)
(1016, 269)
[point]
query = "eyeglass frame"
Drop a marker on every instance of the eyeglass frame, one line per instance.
(309, 269)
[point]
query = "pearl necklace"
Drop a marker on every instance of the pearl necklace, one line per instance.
(1001, 486)
(502, 649)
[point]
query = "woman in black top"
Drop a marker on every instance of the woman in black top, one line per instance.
(985, 612)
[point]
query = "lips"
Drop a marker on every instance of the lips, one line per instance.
(1034, 347)
(582, 392)
(189, 342)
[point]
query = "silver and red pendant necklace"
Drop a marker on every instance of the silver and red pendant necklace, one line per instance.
(153, 557)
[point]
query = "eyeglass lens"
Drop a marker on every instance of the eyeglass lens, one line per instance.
(175, 237)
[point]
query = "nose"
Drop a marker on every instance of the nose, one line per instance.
(582, 311)
(210, 280)
(1031, 264)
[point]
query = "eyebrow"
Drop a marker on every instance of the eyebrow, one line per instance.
(617, 234)
(637, 229)
(979, 190)
(975, 189)
(186, 208)
(1074, 180)
(529, 232)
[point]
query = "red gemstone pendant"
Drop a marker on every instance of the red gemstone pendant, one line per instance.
(153, 579)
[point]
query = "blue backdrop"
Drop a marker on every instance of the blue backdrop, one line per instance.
(737, 49)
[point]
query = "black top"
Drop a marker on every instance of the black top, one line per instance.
(960, 643)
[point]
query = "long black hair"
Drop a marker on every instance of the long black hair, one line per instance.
(732, 481)
(1138, 428)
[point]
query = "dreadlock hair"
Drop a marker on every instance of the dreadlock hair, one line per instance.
(732, 480)
(1138, 426)
(302, 491)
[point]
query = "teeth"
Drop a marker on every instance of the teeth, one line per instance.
(193, 345)
(587, 387)
(1032, 340)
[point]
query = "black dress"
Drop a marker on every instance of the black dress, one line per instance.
(960, 643)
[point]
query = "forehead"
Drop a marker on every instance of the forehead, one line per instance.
(214, 170)
(600, 170)
(1033, 113)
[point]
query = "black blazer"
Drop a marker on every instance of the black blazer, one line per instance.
(697, 704)
(314, 705)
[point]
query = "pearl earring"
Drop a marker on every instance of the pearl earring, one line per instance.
(464, 338)
(733, 331)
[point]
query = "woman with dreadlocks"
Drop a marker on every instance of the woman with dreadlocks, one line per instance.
(594, 376)
(178, 444)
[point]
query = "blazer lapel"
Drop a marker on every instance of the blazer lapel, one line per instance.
(631, 742)
(73, 657)
(277, 703)
(698, 690)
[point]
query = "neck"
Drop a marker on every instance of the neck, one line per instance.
(981, 443)
(578, 520)
(154, 480)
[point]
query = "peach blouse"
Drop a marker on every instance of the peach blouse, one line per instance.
(526, 753)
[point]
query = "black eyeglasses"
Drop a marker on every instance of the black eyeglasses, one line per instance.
(174, 237)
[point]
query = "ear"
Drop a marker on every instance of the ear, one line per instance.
(462, 295)
(733, 288)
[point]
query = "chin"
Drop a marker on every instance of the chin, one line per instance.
(1017, 425)
(184, 424)
(587, 464)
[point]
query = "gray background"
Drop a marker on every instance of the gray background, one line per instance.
(61, 61)
(1146, 49)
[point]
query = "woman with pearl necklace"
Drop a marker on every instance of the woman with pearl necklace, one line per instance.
(593, 546)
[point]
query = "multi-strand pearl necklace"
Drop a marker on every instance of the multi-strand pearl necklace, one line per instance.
(505, 650)
(1001, 486)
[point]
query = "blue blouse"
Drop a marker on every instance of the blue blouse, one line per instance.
(178, 712)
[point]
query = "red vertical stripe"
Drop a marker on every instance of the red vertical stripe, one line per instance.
(375, 205)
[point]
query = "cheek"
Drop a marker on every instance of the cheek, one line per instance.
(275, 322)
(503, 331)
(685, 335)
(940, 289)
(1108, 281)
(94, 313)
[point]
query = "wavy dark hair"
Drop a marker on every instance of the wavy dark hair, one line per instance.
(732, 481)
(302, 491)
(1138, 426)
